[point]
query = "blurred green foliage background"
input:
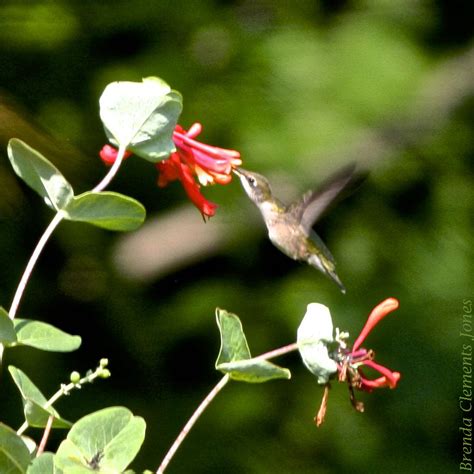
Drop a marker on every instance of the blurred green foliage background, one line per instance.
(300, 88)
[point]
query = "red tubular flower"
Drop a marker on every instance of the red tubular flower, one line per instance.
(376, 315)
(109, 154)
(208, 163)
(173, 168)
(351, 363)
(191, 159)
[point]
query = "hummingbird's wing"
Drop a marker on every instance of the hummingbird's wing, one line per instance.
(309, 208)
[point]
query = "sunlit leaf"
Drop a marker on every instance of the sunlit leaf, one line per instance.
(233, 342)
(253, 370)
(14, 455)
(43, 464)
(30, 443)
(34, 402)
(234, 356)
(141, 116)
(44, 336)
(105, 441)
(109, 210)
(7, 329)
(39, 174)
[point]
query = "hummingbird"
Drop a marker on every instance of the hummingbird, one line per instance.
(290, 226)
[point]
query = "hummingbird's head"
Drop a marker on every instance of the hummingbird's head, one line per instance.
(256, 186)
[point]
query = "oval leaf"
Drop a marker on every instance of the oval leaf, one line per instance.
(233, 342)
(7, 329)
(38, 173)
(104, 441)
(14, 455)
(141, 116)
(44, 336)
(254, 370)
(34, 402)
(109, 210)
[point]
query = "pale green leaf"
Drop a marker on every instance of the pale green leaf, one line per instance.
(234, 356)
(44, 336)
(43, 464)
(253, 370)
(141, 116)
(14, 455)
(105, 441)
(233, 342)
(109, 210)
(34, 402)
(7, 329)
(39, 174)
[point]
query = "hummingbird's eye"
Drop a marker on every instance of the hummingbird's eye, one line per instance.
(252, 181)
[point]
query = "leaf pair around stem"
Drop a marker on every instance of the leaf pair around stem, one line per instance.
(234, 356)
(109, 210)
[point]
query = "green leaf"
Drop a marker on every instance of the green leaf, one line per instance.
(109, 210)
(141, 116)
(39, 174)
(7, 329)
(234, 356)
(34, 402)
(105, 441)
(43, 464)
(44, 336)
(233, 342)
(253, 370)
(14, 455)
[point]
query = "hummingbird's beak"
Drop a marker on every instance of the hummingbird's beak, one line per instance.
(237, 172)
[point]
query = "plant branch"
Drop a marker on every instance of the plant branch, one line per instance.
(47, 234)
(45, 437)
(112, 172)
(205, 403)
(187, 428)
(32, 262)
(278, 352)
(100, 372)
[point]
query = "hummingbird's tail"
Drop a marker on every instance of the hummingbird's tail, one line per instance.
(328, 268)
(336, 279)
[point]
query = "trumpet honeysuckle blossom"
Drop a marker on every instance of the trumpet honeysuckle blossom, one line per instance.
(325, 355)
(351, 363)
(192, 160)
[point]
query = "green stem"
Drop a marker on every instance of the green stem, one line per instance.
(187, 428)
(205, 403)
(47, 234)
(32, 262)
(65, 389)
(278, 352)
(45, 437)
(112, 172)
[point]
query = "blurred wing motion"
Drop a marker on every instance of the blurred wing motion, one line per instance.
(313, 204)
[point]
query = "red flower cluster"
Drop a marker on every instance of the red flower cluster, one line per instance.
(191, 159)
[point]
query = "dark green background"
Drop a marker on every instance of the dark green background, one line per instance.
(300, 88)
